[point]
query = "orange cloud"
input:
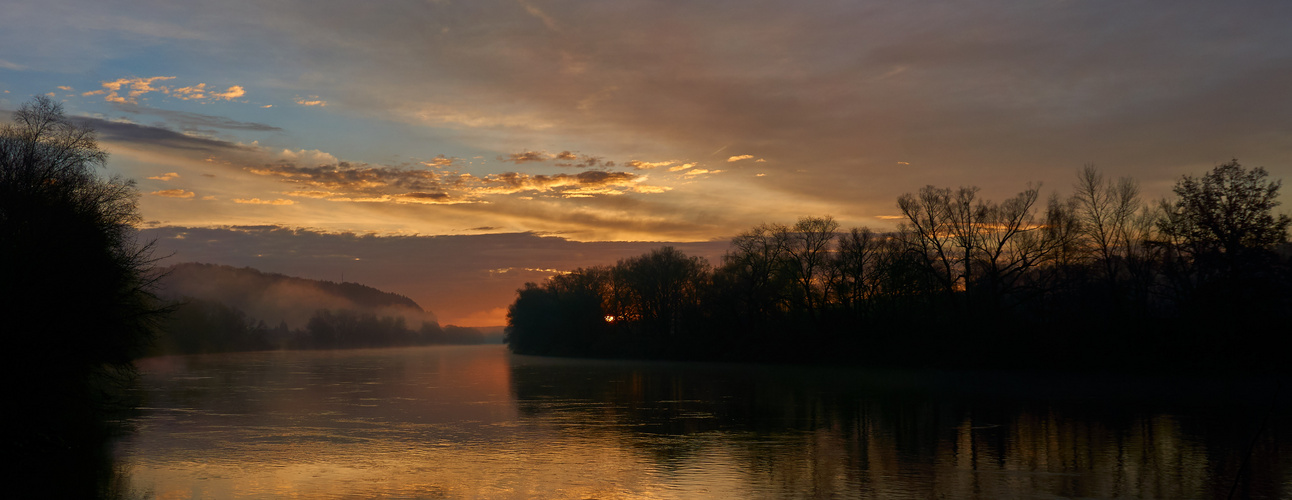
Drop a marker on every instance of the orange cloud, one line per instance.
(168, 176)
(311, 101)
(232, 93)
(738, 158)
(137, 87)
(174, 193)
(258, 201)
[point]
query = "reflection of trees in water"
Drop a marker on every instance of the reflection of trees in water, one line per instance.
(795, 431)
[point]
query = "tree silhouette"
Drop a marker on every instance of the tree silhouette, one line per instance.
(77, 306)
(1228, 212)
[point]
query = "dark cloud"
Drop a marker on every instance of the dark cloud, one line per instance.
(350, 182)
(525, 157)
(185, 120)
(350, 178)
(567, 159)
(155, 136)
(429, 196)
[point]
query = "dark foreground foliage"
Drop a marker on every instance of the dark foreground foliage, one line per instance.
(77, 306)
(1098, 281)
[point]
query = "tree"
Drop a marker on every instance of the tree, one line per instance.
(928, 230)
(1107, 212)
(753, 270)
(76, 285)
(663, 285)
(807, 257)
(1228, 212)
(69, 243)
(857, 263)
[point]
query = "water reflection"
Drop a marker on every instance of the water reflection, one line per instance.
(474, 422)
(795, 431)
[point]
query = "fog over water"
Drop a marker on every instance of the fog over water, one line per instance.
(477, 422)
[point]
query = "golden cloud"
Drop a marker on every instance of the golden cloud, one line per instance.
(644, 165)
(258, 201)
(311, 101)
(168, 176)
(738, 158)
(232, 93)
(137, 87)
(174, 193)
(440, 161)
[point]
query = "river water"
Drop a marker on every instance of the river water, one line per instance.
(478, 422)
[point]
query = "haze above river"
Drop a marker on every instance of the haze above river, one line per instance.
(478, 422)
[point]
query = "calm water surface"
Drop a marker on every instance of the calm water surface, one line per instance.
(477, 422)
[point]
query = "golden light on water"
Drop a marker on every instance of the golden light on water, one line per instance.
(474, 422)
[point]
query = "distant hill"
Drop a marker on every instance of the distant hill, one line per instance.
(222, 308)
(278, 298)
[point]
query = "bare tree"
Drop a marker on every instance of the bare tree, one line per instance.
(928, 220)
(754, 264)
(808, 256)
(857, 262)
(1111, 219)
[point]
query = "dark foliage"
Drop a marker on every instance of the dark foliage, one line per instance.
(1100, 281)
(76, 285)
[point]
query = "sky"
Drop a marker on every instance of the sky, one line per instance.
(452, 150)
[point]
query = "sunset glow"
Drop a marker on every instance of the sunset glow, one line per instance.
(330, 132)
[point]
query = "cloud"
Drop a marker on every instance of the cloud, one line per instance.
(258, 201)
(174, 193)
(64, 88)
(644, 165)
(11, 66)
(134, 88)
(231, 93)
(738, 158)
(583, 161)
(137, 87)
(525, 157)
(192, 92)
(186, 120)
(142, 135)
(440, 161)
(166, 176)
(679, 168)
(311, 101)
(539, 14)
(562, 159)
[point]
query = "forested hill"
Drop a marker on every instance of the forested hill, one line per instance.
(278, 298)
(221, 309)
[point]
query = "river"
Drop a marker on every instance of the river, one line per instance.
(477, 422)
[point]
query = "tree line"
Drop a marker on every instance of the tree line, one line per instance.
(198, 326)
(1100, 279)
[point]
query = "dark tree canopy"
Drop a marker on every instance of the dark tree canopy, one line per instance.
(1228, 211)
(1088, 282)
(77, 306)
